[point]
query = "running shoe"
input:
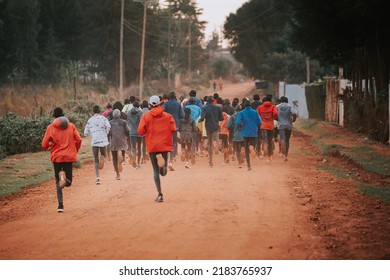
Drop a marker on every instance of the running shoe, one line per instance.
(118, 176)
(60, 208)
(159, 198)
(97, 180)
(187, 165)
(163, 170)
(170, 166)
(62, 180)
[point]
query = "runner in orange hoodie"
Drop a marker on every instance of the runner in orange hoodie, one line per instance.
(64, 141)
(158, 126)
(268, 112)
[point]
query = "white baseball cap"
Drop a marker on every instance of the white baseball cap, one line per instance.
(154, 100)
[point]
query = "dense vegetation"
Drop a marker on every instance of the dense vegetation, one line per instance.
(53, 43)
(50, 42)
(273, 39)
(21, 135)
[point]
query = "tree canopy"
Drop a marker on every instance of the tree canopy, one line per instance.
(39, 39)
(349, 33)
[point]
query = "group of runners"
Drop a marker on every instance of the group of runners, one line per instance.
(158, 129)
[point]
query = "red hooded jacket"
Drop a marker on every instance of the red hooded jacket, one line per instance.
(63, 139)
(268, 113)
(158, 126)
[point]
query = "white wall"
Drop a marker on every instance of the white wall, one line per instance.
(296, 97)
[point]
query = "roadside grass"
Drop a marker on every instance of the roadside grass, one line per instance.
(369, 159)
(365, 156)
(32, 169)
(383, 193)
(313, 128)
(335, 171)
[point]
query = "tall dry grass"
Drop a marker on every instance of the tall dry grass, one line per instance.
(40, 101)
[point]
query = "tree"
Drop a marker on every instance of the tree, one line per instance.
(252, 31)
(189, 34)
(350, 33)
(213, 45)
(50, 71)
(38, 36)
(221, 67)
(290, 66)
(21, 30)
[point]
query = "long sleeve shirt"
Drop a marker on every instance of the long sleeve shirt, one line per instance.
(98, 127)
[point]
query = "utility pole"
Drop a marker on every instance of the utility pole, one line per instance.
(308, 70)
(189, 51)
(221, 40)
(141, 74)
(121, 52)
(169, 52)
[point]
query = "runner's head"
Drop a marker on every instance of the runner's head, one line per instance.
(96, 109)
(283, 99)
(192, 93)
(246, 103)
(116, 113)
(132, 99)
(267, 98)
(172, 95)
(154, 101)
(58, 112)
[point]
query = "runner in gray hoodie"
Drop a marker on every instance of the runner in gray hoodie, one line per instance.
(134, 117)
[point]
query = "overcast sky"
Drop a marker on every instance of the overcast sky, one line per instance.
(216, 11)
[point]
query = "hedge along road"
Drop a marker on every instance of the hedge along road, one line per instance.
(222, 212)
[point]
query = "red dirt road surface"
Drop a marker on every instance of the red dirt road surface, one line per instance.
(283, 210)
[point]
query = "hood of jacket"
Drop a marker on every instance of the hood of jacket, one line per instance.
(157, 111)
(61, 122)
(267, 104)
(135, 110)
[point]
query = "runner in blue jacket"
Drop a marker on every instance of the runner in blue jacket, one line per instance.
(250, 121)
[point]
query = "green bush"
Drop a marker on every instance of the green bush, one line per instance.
(25, 134)
(21, 135)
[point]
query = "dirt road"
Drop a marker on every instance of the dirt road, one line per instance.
(283, 210)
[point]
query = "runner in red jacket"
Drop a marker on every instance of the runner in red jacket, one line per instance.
(158, 128)
(64, 141)
(268, 112)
